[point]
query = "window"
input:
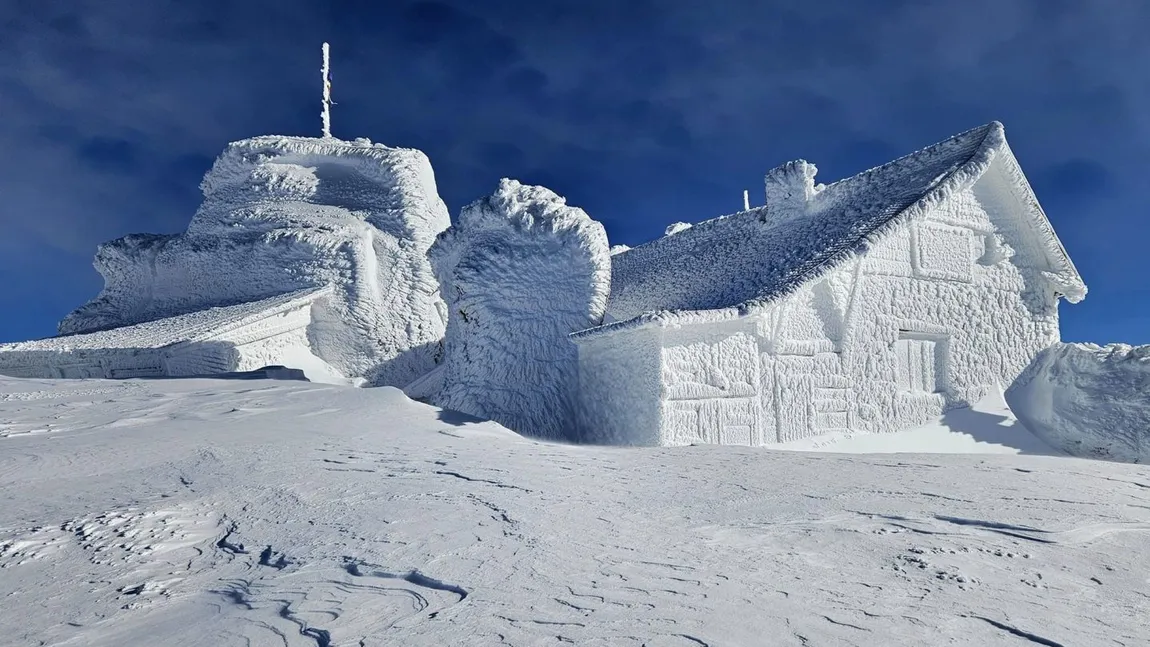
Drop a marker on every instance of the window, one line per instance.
(918, 359)
(942, 252)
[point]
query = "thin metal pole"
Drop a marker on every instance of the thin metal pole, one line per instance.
(326, 91)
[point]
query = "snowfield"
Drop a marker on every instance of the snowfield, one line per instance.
(212, 512)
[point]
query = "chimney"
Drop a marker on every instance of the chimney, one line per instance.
(790, 187)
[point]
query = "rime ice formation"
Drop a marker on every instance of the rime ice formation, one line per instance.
(287, 213)
(1088, 400)
(519, 272)
(871, 304)
(212, 341)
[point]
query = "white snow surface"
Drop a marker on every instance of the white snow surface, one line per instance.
(1088, 400)
(753, 257)
(206, 512)
(287, 213)
(520, 271)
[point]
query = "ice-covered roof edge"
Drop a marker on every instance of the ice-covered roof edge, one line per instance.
(291, 301)
(992, 146)
(1067, 279)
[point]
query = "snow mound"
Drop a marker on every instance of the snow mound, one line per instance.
(519, 272)
(1088, 400)
(287, 213)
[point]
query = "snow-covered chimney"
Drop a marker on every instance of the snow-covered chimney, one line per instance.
(791, 186)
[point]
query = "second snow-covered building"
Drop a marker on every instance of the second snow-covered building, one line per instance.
(871, 304)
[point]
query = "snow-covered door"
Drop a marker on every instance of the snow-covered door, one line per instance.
(917, 360)
(796, 392)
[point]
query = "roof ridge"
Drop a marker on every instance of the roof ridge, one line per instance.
(741, 261)
(988, 128)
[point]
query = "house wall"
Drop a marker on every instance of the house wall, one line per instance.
(710, 381)
(83, 363)
(951, 304)
(927, 319)
(619, 388)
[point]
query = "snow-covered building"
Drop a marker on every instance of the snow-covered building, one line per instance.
(280, 215)
(212, 341)
(870, 305)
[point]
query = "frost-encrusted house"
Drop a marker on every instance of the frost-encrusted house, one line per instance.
(870, 304)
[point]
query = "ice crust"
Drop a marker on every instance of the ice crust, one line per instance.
(287, 213)
(1088, 400)
(520, 271)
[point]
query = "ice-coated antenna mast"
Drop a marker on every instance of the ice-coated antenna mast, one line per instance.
(326, 91)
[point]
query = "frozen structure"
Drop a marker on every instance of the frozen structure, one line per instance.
(869, 305)
(280, 215)
(520, 271)
(213, 341)
(1088, 400)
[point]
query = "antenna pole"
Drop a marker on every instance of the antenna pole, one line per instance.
(326, 91)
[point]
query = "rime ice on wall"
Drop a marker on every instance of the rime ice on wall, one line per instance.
(519, 271)
(870, 305)
(1088, 400)
(286, 213)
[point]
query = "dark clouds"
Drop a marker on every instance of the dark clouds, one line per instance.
(644, 112)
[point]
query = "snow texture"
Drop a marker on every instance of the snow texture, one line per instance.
(272, 514)
(870, 305)
(287, 213)
(520, 271)
(1088, 400)
(242, 337)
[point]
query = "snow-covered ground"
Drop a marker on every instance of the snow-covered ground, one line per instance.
(200, 512)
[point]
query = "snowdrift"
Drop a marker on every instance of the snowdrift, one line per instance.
(287, 213)
(520, 271)
(1088, 400)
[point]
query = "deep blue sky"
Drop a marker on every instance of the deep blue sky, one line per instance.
(643, 112)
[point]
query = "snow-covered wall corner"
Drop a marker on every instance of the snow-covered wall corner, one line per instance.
(287, 213)
(1088, 400)
(520, 271)
(619, 388)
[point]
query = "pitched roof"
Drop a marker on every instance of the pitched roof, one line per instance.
(195, 326)
(754, 257)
